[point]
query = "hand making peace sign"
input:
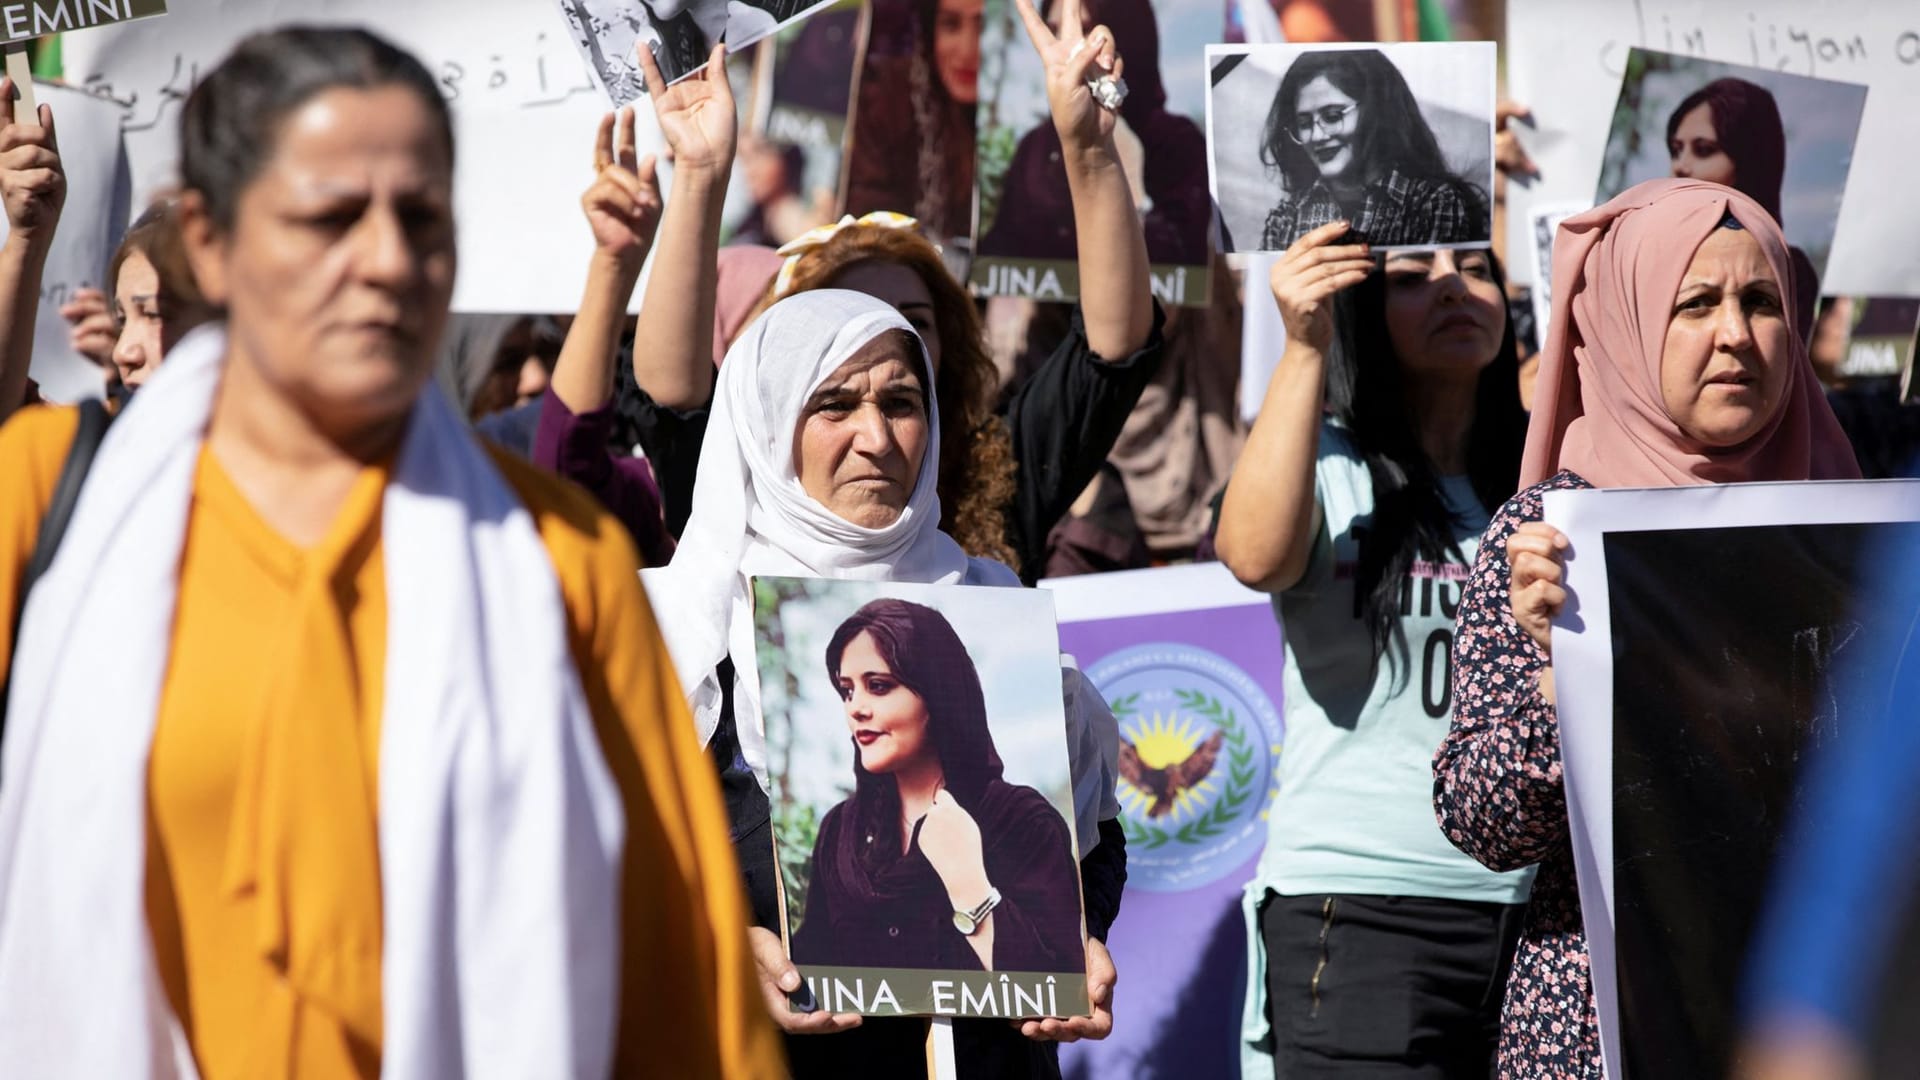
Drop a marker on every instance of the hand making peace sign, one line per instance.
(1071, 57)
(623, 205)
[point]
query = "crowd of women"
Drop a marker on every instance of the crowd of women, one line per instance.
(341, 742)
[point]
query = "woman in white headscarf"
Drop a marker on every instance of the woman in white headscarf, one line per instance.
(821, 459)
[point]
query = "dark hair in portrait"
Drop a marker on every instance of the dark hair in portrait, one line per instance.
(1390, 132)
(230, 125)
(1365, 392)
(928, 658)
(874, 898)
(1746, 121)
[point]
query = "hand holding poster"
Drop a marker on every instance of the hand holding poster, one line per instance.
(1688, 700)
(1396, 139)
(922, 798)
(90, 226)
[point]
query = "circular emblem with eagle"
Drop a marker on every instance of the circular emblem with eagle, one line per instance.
(1199, 742)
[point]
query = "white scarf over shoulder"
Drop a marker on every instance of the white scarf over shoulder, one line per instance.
(500, 829)
(751, 517)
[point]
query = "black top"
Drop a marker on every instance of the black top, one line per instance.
(871, 905)
(1063, 421)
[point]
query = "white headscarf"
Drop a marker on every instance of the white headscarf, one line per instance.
(752, 518)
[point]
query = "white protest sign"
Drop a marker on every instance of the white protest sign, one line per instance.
(1565, 59)
(90, 226)
(525, 108)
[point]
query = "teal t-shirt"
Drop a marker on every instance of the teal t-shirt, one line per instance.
(1354, 813)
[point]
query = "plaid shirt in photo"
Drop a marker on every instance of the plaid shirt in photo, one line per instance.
(1398, 210)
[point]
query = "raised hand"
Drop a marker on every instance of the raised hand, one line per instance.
(623, 204)
(1306, 277)
(696, 114)
(950, 839)
(32, 183)
(1071, 57)
(1536, 554)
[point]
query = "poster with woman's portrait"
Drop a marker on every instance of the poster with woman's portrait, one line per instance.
(791, 156)
(922, 798)
(912, 146)
(1027, 244)
(680, 34)
(1396, 139)
(1786, 141)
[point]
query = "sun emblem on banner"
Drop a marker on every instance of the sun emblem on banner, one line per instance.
(1186, 774)
(1199, 749)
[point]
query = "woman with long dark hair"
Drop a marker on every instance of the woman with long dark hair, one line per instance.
(1391, 429)
(1347, 141)
(931, 828)
(914, 127)
(1730, 132)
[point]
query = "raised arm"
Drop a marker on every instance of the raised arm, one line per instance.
(35, 189)
(1270, 515)
(623, 210)
(1116, 297)
(673, 350)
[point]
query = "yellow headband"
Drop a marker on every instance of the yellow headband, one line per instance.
(818, 237)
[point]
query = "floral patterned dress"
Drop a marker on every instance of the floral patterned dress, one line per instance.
(1498, 793)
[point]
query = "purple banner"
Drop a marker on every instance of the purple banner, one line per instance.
(1193, 672)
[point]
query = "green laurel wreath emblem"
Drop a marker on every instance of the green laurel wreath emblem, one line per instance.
(1239, 787)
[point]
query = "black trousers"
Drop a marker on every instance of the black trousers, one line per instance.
(1386, 986)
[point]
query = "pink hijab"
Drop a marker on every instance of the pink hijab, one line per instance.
(1597, 406)
(746, 270)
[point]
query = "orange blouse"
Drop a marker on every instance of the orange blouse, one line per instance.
(269, 988)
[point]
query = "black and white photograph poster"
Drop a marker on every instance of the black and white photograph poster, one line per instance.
(1396, 139)
(922, 797)
(1714, 640)
(1786, 141)
(680, 34)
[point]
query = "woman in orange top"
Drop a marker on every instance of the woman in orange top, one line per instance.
(388, 771)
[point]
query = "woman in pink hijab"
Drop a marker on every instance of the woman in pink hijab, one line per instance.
(1672, 357)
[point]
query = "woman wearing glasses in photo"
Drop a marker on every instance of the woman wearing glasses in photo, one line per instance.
(1349, 144)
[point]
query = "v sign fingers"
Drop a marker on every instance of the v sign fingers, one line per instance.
(625, 151)
(1070, 21)
(603, 143)
(1037, 31)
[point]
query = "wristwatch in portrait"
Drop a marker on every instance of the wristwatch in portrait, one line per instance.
(969, 922)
